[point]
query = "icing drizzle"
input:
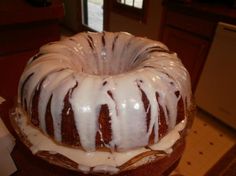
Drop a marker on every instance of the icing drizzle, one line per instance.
(116, 72)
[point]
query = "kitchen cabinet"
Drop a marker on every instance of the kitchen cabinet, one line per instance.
(191, 49)
(189, 37)
(188, 28)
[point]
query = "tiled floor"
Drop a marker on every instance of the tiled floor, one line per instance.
(207, 142)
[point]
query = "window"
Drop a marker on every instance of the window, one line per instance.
(136, 9)
(93, 14)
(133, 3)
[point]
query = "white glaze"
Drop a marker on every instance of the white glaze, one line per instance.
(90, 68)
(98, 161)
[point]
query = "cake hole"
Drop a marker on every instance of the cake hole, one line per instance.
(103, 59)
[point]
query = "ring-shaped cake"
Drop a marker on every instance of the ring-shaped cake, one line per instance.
(110, 102)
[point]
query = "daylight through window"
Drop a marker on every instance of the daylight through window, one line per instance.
(133, 3)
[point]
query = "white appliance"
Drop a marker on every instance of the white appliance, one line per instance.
(216, 90)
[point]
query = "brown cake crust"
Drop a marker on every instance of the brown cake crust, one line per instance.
(162, 165)
(70, 135)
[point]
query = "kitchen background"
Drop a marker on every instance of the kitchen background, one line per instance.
(202, 32)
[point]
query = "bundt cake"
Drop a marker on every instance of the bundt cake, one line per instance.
(108, 102)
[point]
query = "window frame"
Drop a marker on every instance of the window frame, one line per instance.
(132, 12)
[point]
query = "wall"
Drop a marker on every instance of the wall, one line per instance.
(72, 18)
(150, 29)
(117, 22)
